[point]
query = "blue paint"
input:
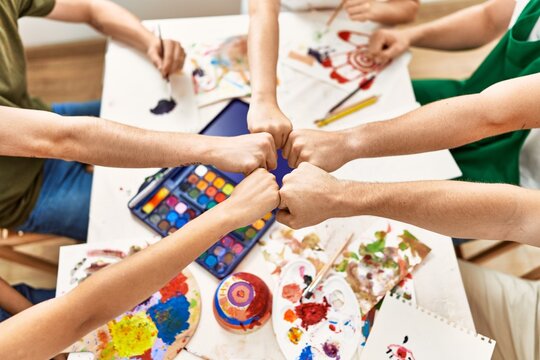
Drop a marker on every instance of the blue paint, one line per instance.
(365, 331)
(306, 354)
(171, 318)
(172, 216)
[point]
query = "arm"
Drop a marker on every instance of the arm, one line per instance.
(31, 133)
(10, 299)
(115, 21)
(460, 209)
(506, 106)
(390, 12)
(263, 45)
(466, 29)
(31, 334)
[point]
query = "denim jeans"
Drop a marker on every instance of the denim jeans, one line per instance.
(34, 295)
(63, 205)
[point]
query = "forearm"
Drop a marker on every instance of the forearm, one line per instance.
(394, 12)
(263, 47)
(84, 309)
(10, 299)
(458, 209)
(466, 29)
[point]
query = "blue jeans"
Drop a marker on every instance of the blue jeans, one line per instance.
(63, 205)
(34, 295)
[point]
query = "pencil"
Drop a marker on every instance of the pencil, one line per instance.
(335, 14)
(308, 292)
(368, 78)
(347, 111)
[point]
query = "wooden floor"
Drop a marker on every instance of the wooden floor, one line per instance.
(74, 72)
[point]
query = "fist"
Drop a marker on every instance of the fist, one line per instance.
(308, 197)
(327, 150)
(167, 59)
(270, 119)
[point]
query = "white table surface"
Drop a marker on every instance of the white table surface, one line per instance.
(438, 282)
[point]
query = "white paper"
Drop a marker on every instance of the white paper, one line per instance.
(405, 331)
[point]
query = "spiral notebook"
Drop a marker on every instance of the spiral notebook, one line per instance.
(404, 331)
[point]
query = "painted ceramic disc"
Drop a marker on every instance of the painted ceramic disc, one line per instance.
(242, 303)
(157, 328)
(327, 326)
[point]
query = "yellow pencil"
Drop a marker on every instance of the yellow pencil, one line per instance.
(347, 111)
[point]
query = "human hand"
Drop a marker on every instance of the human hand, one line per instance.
(387, 44)
(327, 150)
(254, 197)
(359, 10)
(243, 153)
(308, 197)
(167, 59)
(267, 117)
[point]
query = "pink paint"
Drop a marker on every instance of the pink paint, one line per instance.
(292, 292)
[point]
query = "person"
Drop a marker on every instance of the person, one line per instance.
(459, 209)
(24, 190)
(41, 134)
(517, 53)
(29, 334)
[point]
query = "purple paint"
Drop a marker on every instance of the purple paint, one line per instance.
(331, 350)
(164, 106)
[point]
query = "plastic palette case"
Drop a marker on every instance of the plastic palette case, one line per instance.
(185, 193)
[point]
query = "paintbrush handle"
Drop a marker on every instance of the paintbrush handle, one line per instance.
(335, 14)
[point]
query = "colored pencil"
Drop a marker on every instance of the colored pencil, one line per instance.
(335, 14)
(308, 292)
(369, 77)
(347, 111)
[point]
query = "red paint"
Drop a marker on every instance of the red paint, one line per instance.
(174, 288)
(147, 355)
(366, 84)
(337, 76)
(332, 327)
(292, 292)
(262, 302)
(312, 313)
(344, 35)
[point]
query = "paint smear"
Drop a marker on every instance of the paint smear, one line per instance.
(292, 292)
(171, 318)
(164, 106)
(133, 335)
(289, 316)
(312, 313)
(259, 304)
(295, 334)
(331, 350)
(174, 288)
(306, 354)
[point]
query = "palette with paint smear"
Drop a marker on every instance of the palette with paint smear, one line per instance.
(185, 193)
(327, 326)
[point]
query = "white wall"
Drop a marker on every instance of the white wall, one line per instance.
(37, 32)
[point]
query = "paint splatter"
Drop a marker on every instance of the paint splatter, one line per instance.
(312, 313)
(295, 334)
(133, 335)
(171, 318)
(331, 350)
(306, 354)
(175, 287)
(289, 316)
(292, 292)
(164, 106)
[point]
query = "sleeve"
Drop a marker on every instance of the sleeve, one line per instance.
(35, 7)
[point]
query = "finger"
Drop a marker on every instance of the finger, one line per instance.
(285, 136)
(392, 52)
(155, 59)
(271, 158)
(358, 9)
(182, 57)
(376, 43)
(287, 148)
(168, 58)
(177, 60)
(293, 157)
(284, 216)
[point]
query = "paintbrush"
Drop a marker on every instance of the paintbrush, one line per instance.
(347, 111)
(308, 292)
(162, 53)
(334, 15)
(365, 81)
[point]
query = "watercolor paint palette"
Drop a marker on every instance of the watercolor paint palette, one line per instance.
(327, 326)
(185, 193)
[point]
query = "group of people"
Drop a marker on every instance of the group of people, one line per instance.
(484, 121)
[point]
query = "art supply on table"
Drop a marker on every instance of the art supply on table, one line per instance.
(164, 106)
(328, 325)
(406, 331)
(335, 14)
(365, 83)
(347, 111)
(242, 303)
(308, 291)
(184, 193)
(157, 328)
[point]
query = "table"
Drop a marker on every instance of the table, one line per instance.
(130, 81)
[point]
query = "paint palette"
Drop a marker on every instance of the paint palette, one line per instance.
(182, 195)
(327, 326)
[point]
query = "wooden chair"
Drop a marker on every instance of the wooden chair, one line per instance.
(9, 240)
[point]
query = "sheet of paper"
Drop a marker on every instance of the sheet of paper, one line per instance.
(405, 331)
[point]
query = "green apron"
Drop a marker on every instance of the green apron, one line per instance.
(495, 159)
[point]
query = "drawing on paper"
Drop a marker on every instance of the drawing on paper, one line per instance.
(219, 69)
(400, 352)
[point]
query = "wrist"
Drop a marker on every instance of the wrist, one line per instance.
(265, 98)
(415, 34)
(354, 143)
(229, 214)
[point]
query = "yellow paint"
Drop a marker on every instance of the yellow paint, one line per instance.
(133, 335)
(295, 334)
(228, 189)
(259, 224)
